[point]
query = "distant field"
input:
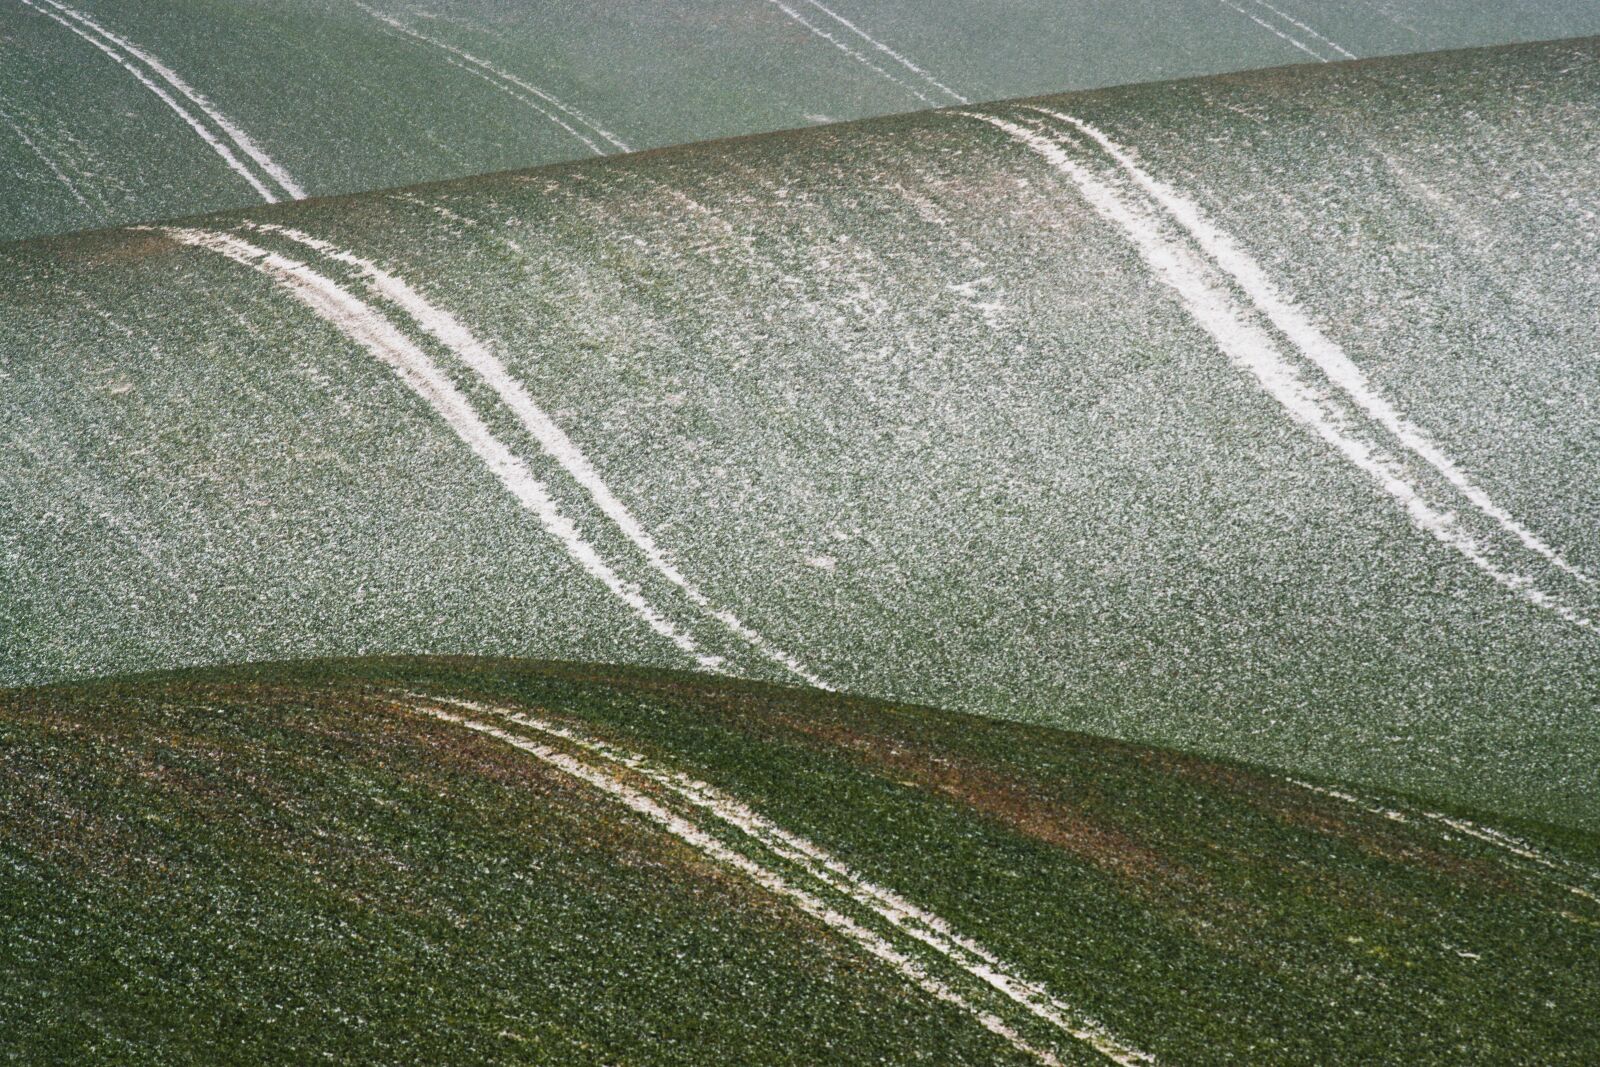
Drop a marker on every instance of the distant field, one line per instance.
(1250, 415)
(115, 112)
(450, 860)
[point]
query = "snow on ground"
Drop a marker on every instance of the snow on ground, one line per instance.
(764, 384)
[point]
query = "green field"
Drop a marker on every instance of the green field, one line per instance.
(356, 861)
(345, 96)
(737, 531)
(904, 399)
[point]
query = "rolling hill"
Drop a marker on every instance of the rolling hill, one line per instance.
(1250, 415)
(454, 860)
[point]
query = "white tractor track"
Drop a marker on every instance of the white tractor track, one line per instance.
(1270, 28)
(1203, 275)
(527, 100)
(1324, 353)
(1507, 845)
(517, 86)
(55, 170)
(903, 60)
(370, 329)
(859, 57)
(126, 54)
(828, 872)
(1291, 20)
(556, 445)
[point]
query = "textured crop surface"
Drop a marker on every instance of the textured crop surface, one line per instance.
(394, 861)
(116, 111)
(1250, 415)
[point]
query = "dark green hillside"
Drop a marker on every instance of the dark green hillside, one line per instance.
(343, 862)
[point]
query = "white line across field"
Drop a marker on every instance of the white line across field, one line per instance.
(926, 927)
(1270, 28)
(451, 216)
(1488, 835)
(890, 52)
(526, 99)
(477, 356)
(1291, 20)
(240, 139)
(509, 79)
(367, 327)
(233, 132)
(228, 157)
(852, 53)
(1328, 356)
(1213, 307)
(60, 175)
(767, 878)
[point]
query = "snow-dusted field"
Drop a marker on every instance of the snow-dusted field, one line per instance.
(122, 112)
(1252, 415)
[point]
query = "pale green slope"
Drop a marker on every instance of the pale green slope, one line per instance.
(902, 400)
